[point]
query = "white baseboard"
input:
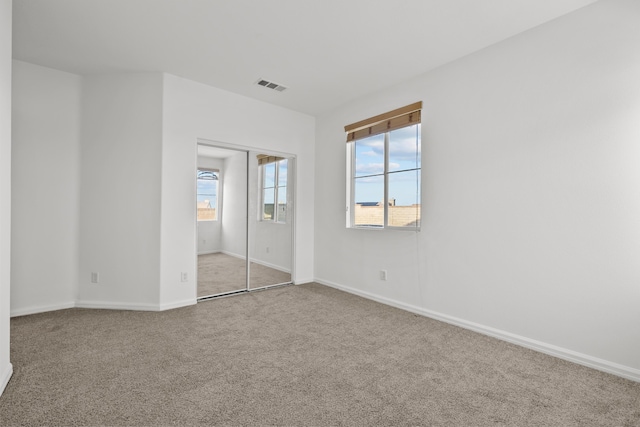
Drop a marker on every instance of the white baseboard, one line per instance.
(178, 304)
(101, 305)
(302, 281)
(117, 306)
(41, 309)
(542, 347)
(233, 254)
(6, 376)
(266, 264)
(275, 267)
(208, 252)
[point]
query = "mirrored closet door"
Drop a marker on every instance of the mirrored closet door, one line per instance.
(271, 219)
(221, 220)
(245, 211)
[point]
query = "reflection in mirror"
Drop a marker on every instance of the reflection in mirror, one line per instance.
(221, 221)
(270, 219)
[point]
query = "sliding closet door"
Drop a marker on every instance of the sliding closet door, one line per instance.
(222, 221)
(270, 219)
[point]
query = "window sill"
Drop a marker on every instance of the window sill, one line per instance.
(380, 228)
(262, 221)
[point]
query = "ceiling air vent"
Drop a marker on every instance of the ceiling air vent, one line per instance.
(271, 85)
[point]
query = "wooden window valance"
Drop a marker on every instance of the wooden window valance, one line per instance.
(396, 119)
(263, 159)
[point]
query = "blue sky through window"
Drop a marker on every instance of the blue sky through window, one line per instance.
(404, 155)
(207, 189)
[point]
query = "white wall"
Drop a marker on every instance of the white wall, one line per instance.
(531, 192)
(45, 188)
(120, 191)
(5, 188)
(270, 242)
(234, 208)
(209, 232)
(271, 245)
(192, 111)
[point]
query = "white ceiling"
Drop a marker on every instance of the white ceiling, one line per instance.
(215, 152)
(326, 52)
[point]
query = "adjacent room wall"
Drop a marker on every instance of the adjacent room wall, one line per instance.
(209, 232)
(531, 192)
(234, 209)
(271, 243)
(193, 110)
(45, 188)
(120, 191)
(5, 189)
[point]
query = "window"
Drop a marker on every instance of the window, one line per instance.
(273, 173)
(207, 194)
(383, 167)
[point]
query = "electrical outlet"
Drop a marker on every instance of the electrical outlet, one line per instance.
(267, 249)
(184, 277)
(95, 277)
(383, 274)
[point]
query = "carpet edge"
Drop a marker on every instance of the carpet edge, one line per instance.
(6, 376)
(178, 304)
(117, 305)
(42, 309)
(609, 367)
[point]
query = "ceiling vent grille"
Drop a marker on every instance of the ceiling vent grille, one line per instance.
(271, 85)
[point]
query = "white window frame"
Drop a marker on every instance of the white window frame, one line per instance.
(218, 187)
(276, 186)
(351, 179)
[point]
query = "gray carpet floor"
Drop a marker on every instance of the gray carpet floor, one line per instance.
(218, 273)
(297, 355)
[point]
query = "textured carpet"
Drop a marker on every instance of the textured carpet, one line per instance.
(297, 355)
(219, 273)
